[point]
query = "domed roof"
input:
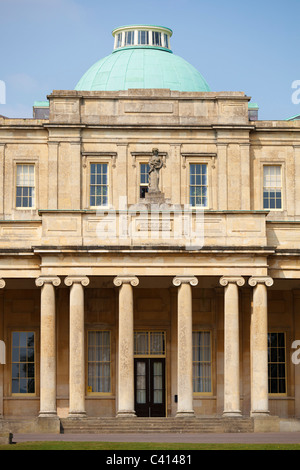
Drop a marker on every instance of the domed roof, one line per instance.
(142, 59)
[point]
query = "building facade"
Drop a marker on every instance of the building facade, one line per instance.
(149, 247)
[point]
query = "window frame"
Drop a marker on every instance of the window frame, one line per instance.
(157, 35)
(27, 394)
(277, 165)
(207, 185)
(211, 362)
(89, 163)
(129, 34)
(142, 185)
(111, 371)
(147, 37)
(148, 333)
(23, 163)
(212, 183)
(279, 394)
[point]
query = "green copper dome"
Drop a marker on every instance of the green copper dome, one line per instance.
(142, 59)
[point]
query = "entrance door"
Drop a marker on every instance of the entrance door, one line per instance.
(149, 376)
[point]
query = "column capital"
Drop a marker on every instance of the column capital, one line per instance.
(185, 279)
(253, 281)
(2, 283)
(83, 280)
(126, 279)
(54, 280)
(225, 280)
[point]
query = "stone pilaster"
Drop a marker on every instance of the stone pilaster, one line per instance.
(231, 345)
(185, 344)
(77, 351)
(48, 346)
(126, 345)
(259, 346)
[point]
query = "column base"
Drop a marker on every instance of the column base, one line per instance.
(185, 414)
(232, 414)
(77, 414)
(48, 414)
(257, 414)
(126, 414)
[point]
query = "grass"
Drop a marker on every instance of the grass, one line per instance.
(128, 446)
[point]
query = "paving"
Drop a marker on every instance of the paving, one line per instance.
(202, 438)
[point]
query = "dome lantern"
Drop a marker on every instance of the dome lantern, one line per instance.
(142, 36)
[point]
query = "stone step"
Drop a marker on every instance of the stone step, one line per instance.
(155, 425)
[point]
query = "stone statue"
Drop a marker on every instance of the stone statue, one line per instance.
(155, 164)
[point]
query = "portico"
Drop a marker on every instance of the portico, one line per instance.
(175, 305)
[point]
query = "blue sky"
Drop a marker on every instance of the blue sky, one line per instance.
(237, 45)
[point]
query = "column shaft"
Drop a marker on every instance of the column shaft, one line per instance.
(48, 347)
(231, 346)
(259, 347)
(48, 352)
(185, 345)
(231, 352)
(126, 346)
(77, 351)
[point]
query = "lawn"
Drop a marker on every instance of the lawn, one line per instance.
(129, 446)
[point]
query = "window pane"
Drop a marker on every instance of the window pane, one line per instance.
(23, 366)
(201, 362)
(129, 38)
(143, 37)
(141, 343)
(156, 38)
(119, 40)
(198, 185)
(98, 184)
(99, 367)
(276, 366)
(149, 343)
(272, 190)
(25, 190)
(166, 38)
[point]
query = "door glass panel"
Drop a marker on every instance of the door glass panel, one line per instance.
(141, 383)
(157, 382)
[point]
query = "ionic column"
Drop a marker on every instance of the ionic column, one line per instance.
(48, 346)
(185, 345)
(126, 345)
(2, 347)
(259, 346)
(77, 352)
(231, 345)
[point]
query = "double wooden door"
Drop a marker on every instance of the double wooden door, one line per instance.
(150, 390)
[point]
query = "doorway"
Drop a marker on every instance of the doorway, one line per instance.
(150, 391)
